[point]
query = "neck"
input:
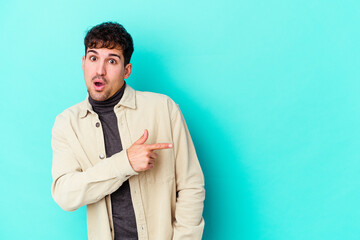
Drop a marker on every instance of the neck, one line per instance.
(108, 105)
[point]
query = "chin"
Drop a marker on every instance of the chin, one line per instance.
(98, 96)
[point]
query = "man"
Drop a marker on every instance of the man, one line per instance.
(125, 154)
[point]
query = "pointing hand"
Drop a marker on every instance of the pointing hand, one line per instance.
(141, 155)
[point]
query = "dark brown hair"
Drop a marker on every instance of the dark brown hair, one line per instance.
(110, 35)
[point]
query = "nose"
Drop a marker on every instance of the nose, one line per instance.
(101, 68)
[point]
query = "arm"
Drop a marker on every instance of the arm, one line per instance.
(188, 223)
(73, 186)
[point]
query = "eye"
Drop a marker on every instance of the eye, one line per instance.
(92, 58)
(112, 61)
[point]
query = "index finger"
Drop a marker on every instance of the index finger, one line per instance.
(159, 146)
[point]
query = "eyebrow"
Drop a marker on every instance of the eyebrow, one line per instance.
(114, 55)
(110, 55)
(92, 51)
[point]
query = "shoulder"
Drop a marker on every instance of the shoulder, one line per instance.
(152, 97)
(74, 112)
(155, 100)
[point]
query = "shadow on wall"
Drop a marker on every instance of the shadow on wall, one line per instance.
(230, 210)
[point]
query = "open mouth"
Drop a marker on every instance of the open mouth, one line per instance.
(99, 85)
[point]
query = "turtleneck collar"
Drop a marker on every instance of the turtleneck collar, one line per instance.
(108, 105)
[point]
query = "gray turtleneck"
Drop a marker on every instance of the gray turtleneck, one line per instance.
(122, 208)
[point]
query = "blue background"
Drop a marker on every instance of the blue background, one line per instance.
(269, 89)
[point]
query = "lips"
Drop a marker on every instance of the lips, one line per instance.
(99, 85)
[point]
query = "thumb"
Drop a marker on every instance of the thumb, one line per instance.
(143, 138)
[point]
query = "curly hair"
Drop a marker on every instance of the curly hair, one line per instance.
(110, 35)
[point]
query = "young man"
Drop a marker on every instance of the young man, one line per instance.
(127, 155)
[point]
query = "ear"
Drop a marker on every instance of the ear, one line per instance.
(83, 63)
(127, 70)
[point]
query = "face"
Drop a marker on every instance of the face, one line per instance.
(104, 72)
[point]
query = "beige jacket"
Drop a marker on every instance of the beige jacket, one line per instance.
(167, 200)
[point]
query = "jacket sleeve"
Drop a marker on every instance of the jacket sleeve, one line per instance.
(74, 187)
(189, 223)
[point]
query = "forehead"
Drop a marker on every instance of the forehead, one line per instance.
(105, 51)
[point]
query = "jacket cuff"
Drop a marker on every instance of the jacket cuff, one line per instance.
(122, 165)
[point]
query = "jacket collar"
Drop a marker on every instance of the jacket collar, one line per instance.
(127, 100)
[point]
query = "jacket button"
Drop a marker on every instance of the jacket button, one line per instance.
(97, 124)
(101, 156)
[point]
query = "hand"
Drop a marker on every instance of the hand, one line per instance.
(141, 155)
